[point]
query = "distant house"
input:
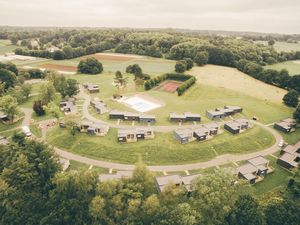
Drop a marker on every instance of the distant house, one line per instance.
(176, 180)
(99, 106)
(117, 176)
(129, 116)
(68, 107)
(91, 88)
(184, 135)
(133, 135)
(65, 163)
(254, 170)
(187, 116)
(290, 156)
(93, 128)
(220, 113)
(236, 126)
(187, 135)
(3, 140)
(287, 125)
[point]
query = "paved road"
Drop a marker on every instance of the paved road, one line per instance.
(219, 160)
(27, 117)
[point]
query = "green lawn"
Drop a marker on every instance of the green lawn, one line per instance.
(36, 131)
(292, 66)
(6, 46)
(274, 181)
(292, 138)
(161, 150)
(74, 165)
(283, 46)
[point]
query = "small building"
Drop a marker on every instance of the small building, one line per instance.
(98, 129)
(187, 116)
(174, 117)
(133, 135)
(192, 117)
(213, 128)
(68, 107)
(115, 114)
(183, 135)
(91, 88)
(235, 109)
(3, 140)
(129, 116)
(287, 125)
(236, 126)
(145, 118)
(290, 156)
(213, 115)
(200, 133)
(101, 108)
(255, 169)
(84, 125)
(185, 181)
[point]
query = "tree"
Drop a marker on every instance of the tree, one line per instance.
(201, 58)
(58, 55)
(189, 63)
(71, 122)
(47, 93)
(38, 108)
(53, 110)
(26, 174)
(245, 211)
(8, 78)
(180, 66)
(14, 40)
(291, 98)
(70, 198)
(136, 70)
(120, 79)
(214, 195)
(66, 87)
(271, 42)
(296, 114)
(90, 66)
(9, 106)
(21, 93)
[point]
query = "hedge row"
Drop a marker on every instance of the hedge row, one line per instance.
(188, 81)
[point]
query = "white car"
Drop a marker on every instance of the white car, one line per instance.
(281, 143)
(26, 131)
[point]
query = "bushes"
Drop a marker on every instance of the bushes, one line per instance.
(90, 66)
(188, 81)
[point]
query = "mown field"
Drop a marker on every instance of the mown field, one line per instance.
(292, 66)
(162, 150)
(6, 46)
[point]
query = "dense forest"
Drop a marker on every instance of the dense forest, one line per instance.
(33, 190)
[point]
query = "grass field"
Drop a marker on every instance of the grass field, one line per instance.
(283, 46)
(292, 138)
(274, 181)
(206, 94)
(6, 46)
(292, 66)
(161, 150)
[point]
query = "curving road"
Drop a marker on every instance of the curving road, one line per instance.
(217, 161)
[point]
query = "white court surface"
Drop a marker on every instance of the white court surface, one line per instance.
(140, 104)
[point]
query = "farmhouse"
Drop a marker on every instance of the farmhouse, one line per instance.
(92, 128)
(68, 107)
(117, 176)
(129, 116)
(200, 134)
(3, 140)
(133, 135)
(99, 106)
(176, 180)
(92, 88)
(236, 126)
(187, 116)
(287, 125)
(220, 113)
(254, 170)
(290, 156)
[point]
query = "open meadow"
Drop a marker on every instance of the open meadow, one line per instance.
(292, 66)
(283, 46)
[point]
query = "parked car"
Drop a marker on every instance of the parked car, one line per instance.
(26, 131)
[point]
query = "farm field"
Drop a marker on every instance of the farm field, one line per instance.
(283, 46)
(292, 66)
(111, 63)
(162, 150)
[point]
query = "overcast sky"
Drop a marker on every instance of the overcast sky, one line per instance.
(280, 16)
